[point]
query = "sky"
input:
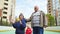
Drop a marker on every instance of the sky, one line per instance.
(27, 7)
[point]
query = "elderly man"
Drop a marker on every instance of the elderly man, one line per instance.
(37, 21)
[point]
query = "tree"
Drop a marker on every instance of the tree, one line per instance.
(51, 20)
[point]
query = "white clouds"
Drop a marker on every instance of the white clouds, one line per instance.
(26, 6)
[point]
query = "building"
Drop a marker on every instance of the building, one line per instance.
(49, 6)
(54, 9)
(0, 12)
(8, 9)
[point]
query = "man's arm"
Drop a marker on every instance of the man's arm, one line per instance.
(45, 20)
(28, 20)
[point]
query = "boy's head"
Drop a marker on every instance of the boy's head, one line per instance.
(21, 16)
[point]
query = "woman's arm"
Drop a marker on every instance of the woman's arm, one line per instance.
(23, 25)
(16, 25)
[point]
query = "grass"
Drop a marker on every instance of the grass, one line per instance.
(4, 30)
(54, 30)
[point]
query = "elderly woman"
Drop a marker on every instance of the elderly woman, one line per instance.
(20, 25)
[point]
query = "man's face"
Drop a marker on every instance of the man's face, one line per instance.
(36, 8)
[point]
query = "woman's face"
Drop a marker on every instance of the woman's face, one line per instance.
(21, 17)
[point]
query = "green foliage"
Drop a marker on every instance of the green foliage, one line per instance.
(5, 23)
(51, 20)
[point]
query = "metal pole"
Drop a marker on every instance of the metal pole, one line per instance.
(6, 22)
(1, 20)
(56, 20)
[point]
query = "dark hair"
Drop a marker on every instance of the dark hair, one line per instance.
(21, 15)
